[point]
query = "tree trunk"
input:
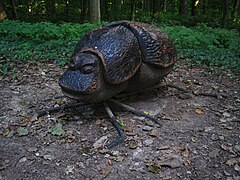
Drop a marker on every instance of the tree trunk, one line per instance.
(104, 10)
(13, 9)
(235, 10)
(2, 12)
(194, 7)
(173, 6)
(94, 11)
(183, 7)
(204, 6)
(132, 11)
(165, 6)
(154, 8)
(224, 13)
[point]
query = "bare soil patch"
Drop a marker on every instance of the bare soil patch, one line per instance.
(199, 137)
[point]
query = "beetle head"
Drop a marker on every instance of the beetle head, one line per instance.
(82, 78)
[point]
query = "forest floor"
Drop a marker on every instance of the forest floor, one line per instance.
(199, 137)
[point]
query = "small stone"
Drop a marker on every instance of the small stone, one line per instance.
(207, 129)
(138, 153)
(23, 159)
(69, 169)
(237, 168)
(225, 114)
(221, 137)
(48, 157)
(148, 142)
(237, 148)
(115, 153)
(139, 118)
(147, 128)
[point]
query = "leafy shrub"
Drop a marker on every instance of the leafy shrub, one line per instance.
(30, 42)
(44, 41)
(205, 45)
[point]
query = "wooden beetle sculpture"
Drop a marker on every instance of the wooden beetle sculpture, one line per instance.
(117, 58)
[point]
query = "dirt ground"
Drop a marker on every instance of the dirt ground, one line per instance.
(199, 137)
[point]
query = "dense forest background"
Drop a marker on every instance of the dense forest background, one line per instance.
(215, 13)
(206, 32)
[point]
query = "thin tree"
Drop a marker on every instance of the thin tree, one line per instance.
(154, 8)
(183, 7)
(94, 11)
(224, 12)
(132, 11)
(235, 10)
(13, 9)
(204, 6)
(194, 7)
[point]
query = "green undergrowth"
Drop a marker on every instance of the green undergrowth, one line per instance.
(213, 47)
(31, 42)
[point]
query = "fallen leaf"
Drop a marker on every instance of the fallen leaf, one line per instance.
(163, 147)
(187, 163)
(69, 169)
(237, 168)
(153, 168)
(100, 142)
(2, 167)
(199, 111)
(57, 129)
(186, 153)
(232, 161)
(121, 123)
(170, 161)
(214, 153)
(10, 134)
(132, 144)
(49, 157)
(227, 148)
(105, 171)
(25, 119)
(70, 138)
(22, 131)
(110, 162)
(145, 112)
(153, 133)
(5, 132)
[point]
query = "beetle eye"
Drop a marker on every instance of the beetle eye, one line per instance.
(87, 69)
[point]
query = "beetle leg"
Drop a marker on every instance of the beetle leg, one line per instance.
(114, 122)
(60, 108)
(135, 111)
